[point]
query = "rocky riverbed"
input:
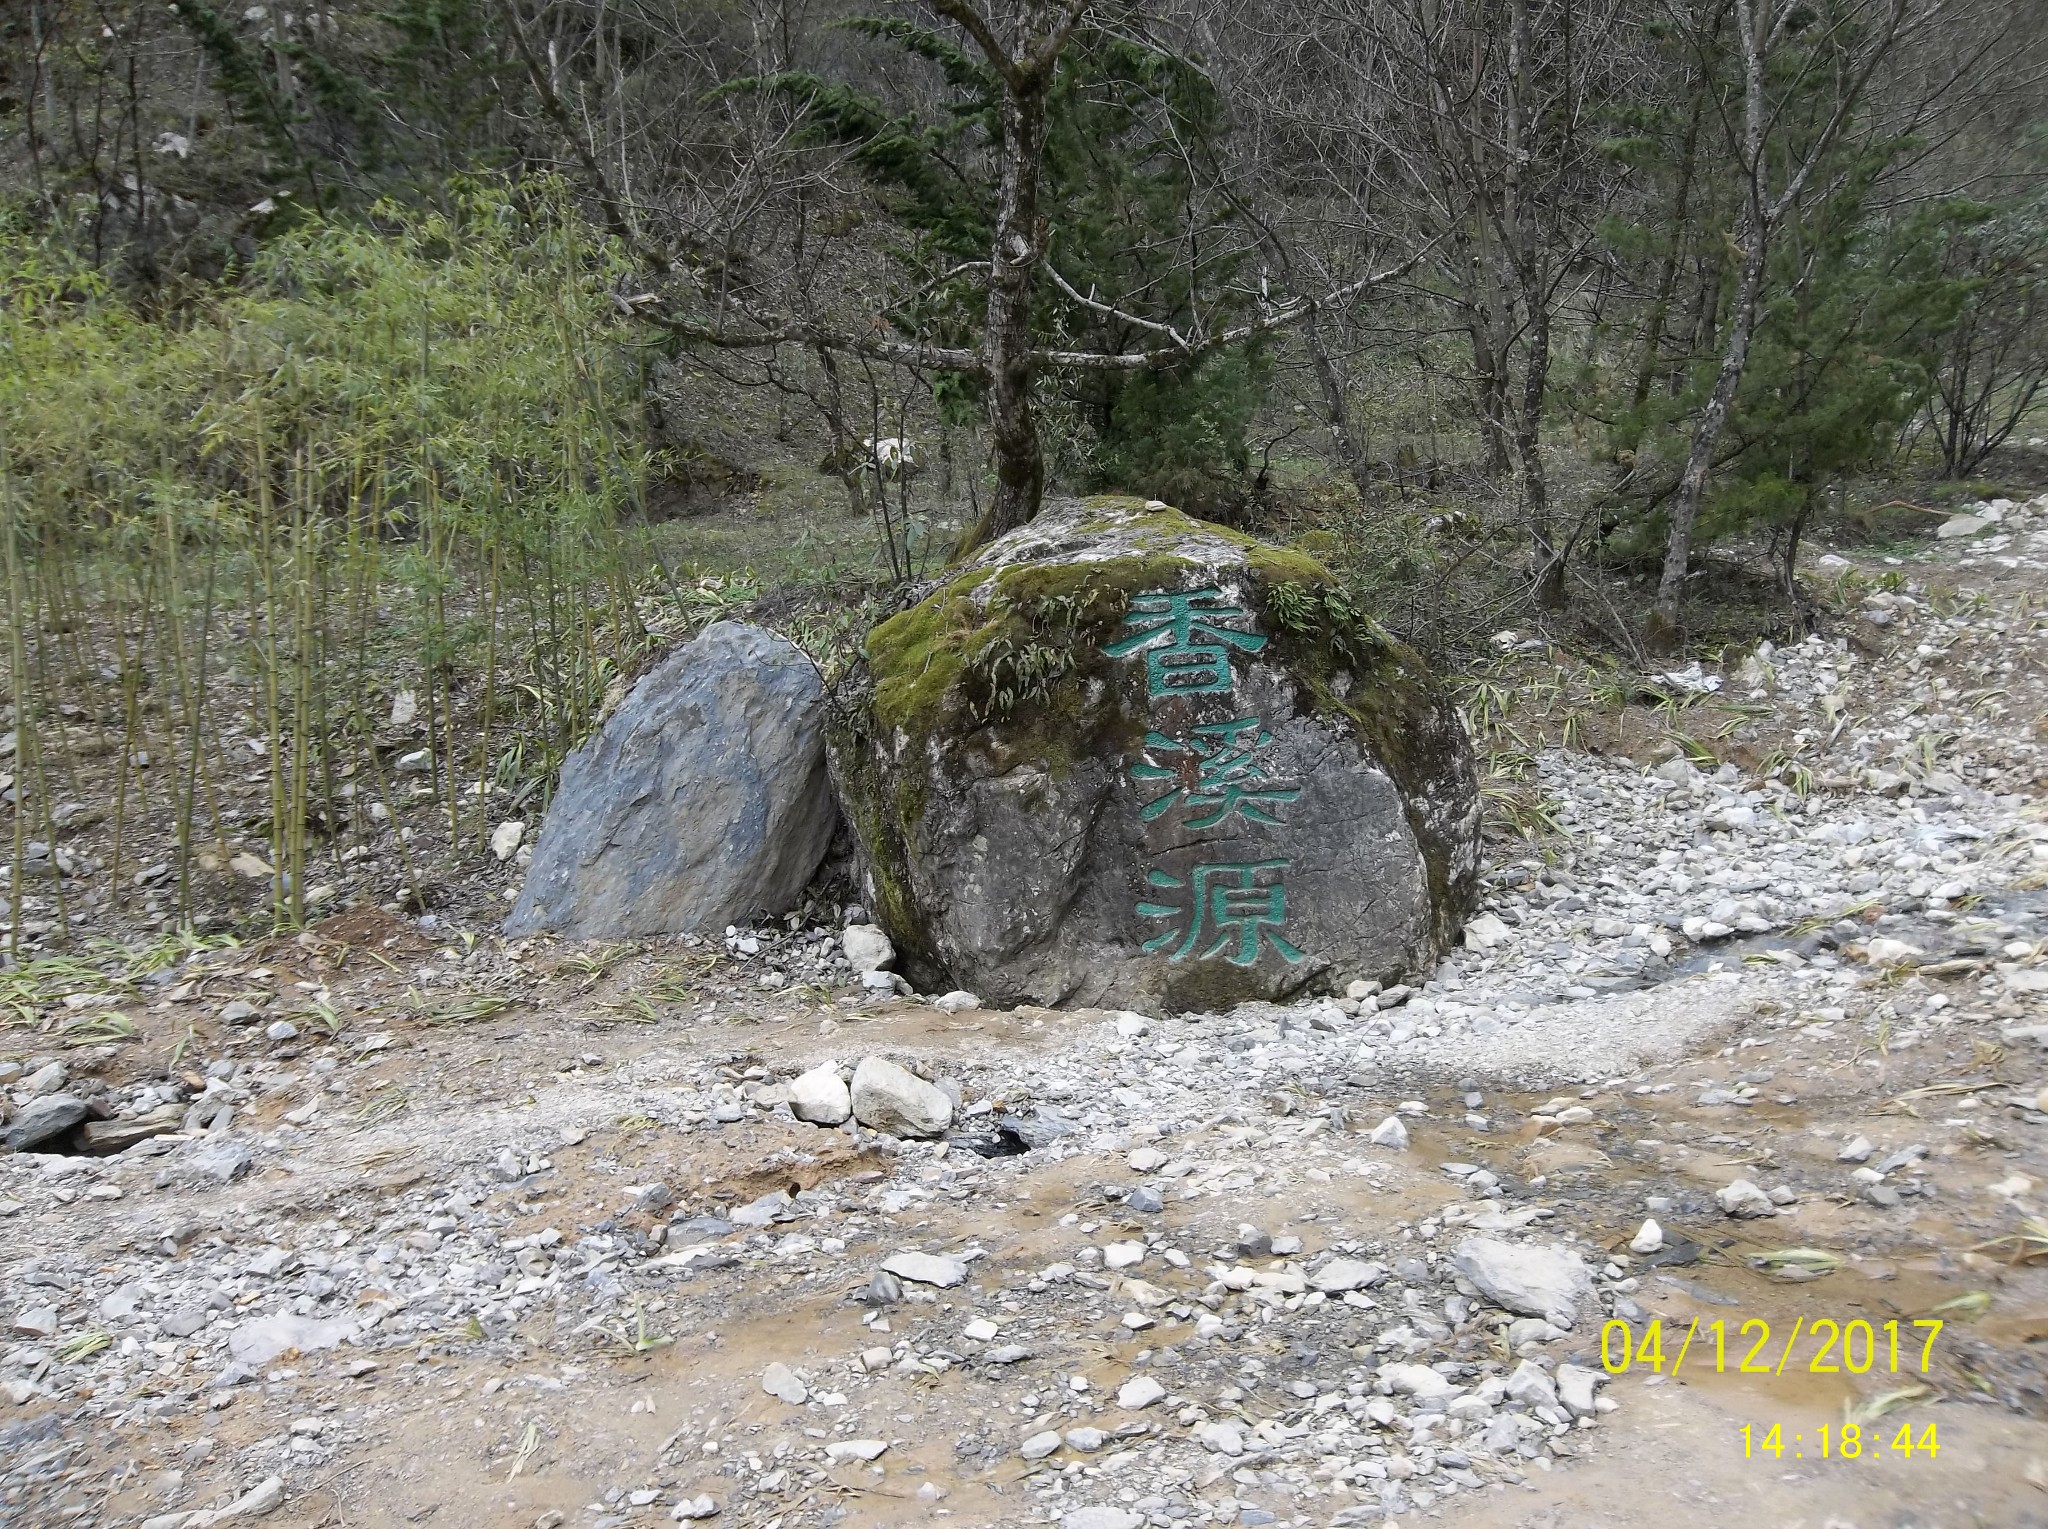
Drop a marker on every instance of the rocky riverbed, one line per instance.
(398, 1222)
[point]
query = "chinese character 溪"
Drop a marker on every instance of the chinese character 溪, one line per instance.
(1228, 775)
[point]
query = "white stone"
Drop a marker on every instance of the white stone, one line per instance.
(1575, 1385)
(1649, 1238)
(1123, 1255)
(959, 1001)
(1146, 1159)
(1390, 1133)
(262, 1339)
(867, 948)
(926, 1269)
(1886, 951)
(1039, 1445)
(894, 1099)
(820, 1096)
(1139, 1391)
(980, 1330)
(1221, 1438)
(843, 1450)
(505, 839)
(1416, 1380)
(265, 1497)
(1101, 1516)
(1857, 1150)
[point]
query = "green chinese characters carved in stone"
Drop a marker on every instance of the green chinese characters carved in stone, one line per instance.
(1186, 648)
(1236, 909)
(1228, 775)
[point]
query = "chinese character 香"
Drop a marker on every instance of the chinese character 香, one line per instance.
(1187, 651)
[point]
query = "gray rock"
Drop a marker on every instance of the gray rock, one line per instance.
(1575, 1385)
(103, 1138)
(1342, 1274)
(702, 802)
(1531, 1387)
(1744, 1200)
(1221, 793)
(221, 1161)
(36, 1322)
(45, 1120)
(1545, 1280)
(46, 1079)
(894, 1099)
(1039, 1445)
(1040, 1128)
(820, 1096)
(265, 1497)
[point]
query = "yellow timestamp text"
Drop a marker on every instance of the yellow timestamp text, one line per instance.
(1848, 1442)
(1854, 1347)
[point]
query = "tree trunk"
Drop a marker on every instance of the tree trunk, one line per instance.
(1336, 411)
(1546, 556)
(1661, 632)
(1006, 333)
(1667, 272)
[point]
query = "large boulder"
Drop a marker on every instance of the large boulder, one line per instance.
(1130, 759)
(703, 801)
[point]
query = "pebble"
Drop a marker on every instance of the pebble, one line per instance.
(1039, 1445)
(1649, 1238)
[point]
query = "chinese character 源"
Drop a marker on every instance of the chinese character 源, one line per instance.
(1234, 908)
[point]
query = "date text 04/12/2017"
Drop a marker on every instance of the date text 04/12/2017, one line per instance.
(1855, 1347)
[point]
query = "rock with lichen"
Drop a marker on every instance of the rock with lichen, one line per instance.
(1128, 758)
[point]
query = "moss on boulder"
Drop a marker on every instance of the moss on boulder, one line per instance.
(1129, 757)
